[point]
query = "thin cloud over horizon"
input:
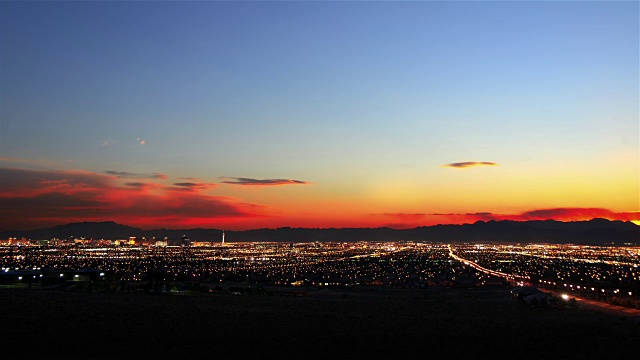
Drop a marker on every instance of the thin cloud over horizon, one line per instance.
(468, 164)
(130, 175)
(261, 182)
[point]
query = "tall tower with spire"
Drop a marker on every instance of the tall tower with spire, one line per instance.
(222, 237)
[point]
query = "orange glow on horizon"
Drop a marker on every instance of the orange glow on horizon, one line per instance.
(36, 199)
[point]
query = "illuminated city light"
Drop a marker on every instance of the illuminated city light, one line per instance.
(347, 264)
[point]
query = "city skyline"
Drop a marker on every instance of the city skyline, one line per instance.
(245, 115)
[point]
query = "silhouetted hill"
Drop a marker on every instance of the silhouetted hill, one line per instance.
(89, 230)
(592, 232)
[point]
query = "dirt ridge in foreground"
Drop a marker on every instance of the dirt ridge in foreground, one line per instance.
(339, 323)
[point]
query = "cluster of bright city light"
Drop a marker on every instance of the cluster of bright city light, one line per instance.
(600, 271)
(596, 271)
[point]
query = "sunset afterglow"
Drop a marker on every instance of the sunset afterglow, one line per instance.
(245, 115)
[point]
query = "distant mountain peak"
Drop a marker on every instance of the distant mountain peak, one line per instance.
(596, 231)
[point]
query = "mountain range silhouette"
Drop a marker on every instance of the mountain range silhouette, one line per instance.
(592, 232)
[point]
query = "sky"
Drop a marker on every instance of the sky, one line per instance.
(243, 115)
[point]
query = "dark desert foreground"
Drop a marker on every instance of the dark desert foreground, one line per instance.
(351, 323)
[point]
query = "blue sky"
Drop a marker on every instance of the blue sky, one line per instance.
(345, 95)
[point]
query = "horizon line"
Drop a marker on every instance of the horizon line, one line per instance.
(327, 228)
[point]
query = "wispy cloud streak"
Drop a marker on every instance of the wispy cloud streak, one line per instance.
(469, 164)
(130, 175)
(559, 214)
(191, 186)
(261, 182)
